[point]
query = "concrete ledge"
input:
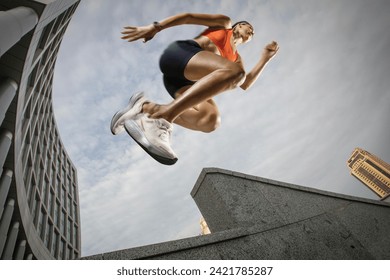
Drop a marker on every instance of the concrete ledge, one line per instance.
(256, 218)
(214, 170)
(155, 250)
(321, 237)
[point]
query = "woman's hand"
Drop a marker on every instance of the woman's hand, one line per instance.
(133, 33)
(270, 50)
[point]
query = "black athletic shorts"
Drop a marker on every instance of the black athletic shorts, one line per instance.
(173, 62)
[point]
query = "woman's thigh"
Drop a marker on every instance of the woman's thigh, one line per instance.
(205, 108)
(204, 63)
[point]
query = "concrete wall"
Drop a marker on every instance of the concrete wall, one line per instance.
(257, 218)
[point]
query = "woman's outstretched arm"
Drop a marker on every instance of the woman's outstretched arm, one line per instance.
(133, 33)
(269, 52)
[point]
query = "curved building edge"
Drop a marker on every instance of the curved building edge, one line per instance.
(39, 198)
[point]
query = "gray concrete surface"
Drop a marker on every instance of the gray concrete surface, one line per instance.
(257, 218)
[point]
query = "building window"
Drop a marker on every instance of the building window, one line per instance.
(70, 253)
(68, 228)
(75, 241)
(62, 223)
(54, 249)
(31, 192)
(50, 203)
(69, 206)
(48, 235)
(34, 210)
(45, 187)
(56, 213)
(53, 177)
(61, 253)
(69, 184)
(58, 186)
(75, 218)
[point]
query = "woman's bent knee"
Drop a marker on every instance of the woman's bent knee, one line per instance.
(211, 123)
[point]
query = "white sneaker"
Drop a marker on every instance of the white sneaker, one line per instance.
(130, 111)
(153, 135)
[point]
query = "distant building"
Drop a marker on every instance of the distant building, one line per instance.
(39, 203)
(371, 171)
(204, 227)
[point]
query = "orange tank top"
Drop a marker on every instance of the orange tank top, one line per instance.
(221, 38)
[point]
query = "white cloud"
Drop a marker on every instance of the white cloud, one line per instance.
(325, 93)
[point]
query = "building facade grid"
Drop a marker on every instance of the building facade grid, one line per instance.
(43, 190)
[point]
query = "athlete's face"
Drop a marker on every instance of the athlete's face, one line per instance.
(245, 31)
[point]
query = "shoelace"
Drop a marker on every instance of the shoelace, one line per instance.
(165, 130)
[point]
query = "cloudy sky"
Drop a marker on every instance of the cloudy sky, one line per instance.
(325, 93)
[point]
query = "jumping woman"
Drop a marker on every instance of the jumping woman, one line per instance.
(194, 71)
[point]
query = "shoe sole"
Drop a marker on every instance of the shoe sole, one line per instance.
(135, 133)
(115, 119)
